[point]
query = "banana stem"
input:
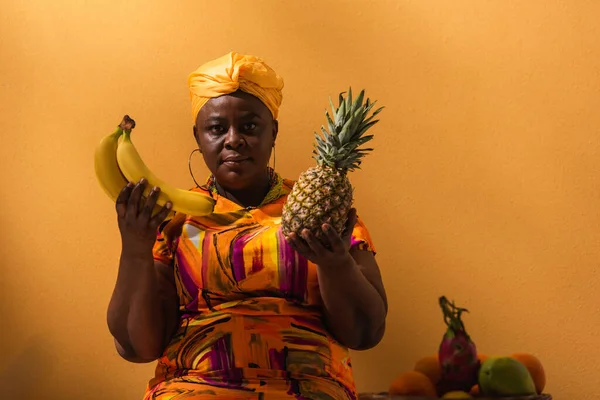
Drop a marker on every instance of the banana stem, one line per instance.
(127, 124)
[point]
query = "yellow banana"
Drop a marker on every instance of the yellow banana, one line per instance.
(107, 170)
(108, 173)
(134, 169)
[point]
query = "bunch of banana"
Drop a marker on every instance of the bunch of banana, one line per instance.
(118, 162)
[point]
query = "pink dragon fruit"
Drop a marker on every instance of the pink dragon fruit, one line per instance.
(457, 353)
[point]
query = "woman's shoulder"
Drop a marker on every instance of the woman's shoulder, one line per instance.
(288, 184)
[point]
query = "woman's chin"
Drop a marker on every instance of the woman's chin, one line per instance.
(235, 178)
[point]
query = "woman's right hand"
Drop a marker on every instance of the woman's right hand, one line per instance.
(136, 223)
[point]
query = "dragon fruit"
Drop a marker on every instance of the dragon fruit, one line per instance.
(457, 353)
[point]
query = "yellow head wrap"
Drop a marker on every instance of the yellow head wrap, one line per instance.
(231, 72)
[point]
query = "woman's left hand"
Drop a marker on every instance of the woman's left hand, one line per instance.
(334, 255)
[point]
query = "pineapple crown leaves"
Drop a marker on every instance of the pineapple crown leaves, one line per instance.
(339, 145)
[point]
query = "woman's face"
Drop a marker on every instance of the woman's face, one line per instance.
(236, 133)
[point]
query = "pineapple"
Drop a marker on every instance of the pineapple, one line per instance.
(323, 193)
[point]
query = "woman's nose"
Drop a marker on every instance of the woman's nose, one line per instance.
(233, 139)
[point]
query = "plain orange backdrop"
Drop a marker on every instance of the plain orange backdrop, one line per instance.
(483, 186)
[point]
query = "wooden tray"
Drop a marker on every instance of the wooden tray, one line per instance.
(385, 396)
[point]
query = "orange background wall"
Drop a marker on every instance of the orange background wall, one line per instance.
(484, 184)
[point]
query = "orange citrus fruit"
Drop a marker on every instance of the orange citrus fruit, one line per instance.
(475, 391)
(412, 383)
(430, 367)
(535, 367)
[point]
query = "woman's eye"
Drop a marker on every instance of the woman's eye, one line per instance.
(216, 129)
(249, 126)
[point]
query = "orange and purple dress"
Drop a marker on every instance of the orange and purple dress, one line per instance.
(251, 325)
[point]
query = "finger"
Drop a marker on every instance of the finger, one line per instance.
(290, 241)
(288, 238)
(121, 203)
(353, 216)
(299, 245)
(350, 223)
(335, 241)
(150, 202)
(312, 242)
(134, 199)
(161, 215)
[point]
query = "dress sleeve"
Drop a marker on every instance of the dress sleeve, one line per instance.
(167, 236)
(361, 238)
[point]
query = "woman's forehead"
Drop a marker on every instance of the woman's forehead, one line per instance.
(238, 101)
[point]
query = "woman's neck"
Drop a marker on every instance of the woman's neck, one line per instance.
(249, 197)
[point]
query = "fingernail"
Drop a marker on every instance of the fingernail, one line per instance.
(169, 205)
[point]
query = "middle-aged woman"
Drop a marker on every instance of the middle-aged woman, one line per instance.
(229, 306)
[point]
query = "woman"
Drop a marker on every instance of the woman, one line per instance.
(229, 307)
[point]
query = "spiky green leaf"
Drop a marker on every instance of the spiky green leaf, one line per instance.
(359, 100)
(349, 98)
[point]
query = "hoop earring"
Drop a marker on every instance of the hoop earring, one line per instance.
(190, 165)
(274, 158)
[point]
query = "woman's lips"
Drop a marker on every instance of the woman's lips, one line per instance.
(234, 161)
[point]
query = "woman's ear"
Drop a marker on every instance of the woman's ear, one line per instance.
(196, 137)
(195, 132)
(275, 129)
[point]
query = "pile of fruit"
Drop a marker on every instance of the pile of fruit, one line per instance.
(458, 371)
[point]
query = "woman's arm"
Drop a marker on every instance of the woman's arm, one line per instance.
(142, 313)
(355, 302)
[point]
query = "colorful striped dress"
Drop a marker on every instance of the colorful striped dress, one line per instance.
(251, 325)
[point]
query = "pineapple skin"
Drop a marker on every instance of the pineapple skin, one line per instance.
(320, 195)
